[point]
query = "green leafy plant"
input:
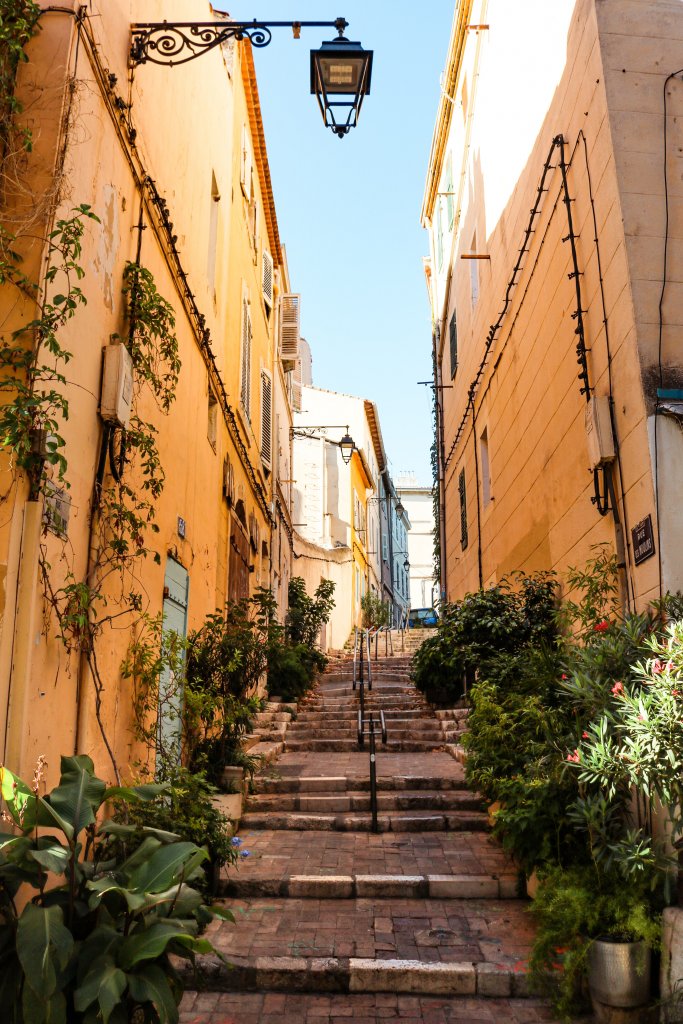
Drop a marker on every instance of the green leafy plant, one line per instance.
(96, 946)
(185, 807)
(375, 612)
(307, 615)
(573, 907)
(18, 24)
(505, 619)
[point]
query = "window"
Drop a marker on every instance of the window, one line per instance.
(385, 548)
(474, 272)
(453, 339)
(212, 423)
(463, 510)
(213, 234)
(464, 98)
(245, 375)
(246, 174)
(485, 466)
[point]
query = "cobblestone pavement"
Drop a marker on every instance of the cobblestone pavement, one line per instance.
(281, 1008)
(431, 931)
(280, 854)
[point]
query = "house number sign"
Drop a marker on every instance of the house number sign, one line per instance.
(643, 540)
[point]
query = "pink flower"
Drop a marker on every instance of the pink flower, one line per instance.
(584, 735)
(669, 666)
(563, 676)
(618, 688)
(601, 626)
(575, 757)
(675, 693)
(657, 667)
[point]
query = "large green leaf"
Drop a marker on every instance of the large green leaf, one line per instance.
(151, 985)
(180, 901)
(19, 799)
(102, 942)
(105, 985)
(166, 866)
(44, 946)
(150, 943)
(53, 857)
(36, 1010)
(103, 887)
(145, 792)
(79, 794)
(140, 856)
(117, 828)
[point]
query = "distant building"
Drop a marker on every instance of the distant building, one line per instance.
(419, 504)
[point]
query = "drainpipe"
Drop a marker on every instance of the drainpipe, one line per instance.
(8, 618)
(440, 461)
(24, 625)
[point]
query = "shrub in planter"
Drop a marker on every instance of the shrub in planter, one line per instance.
(185, 808)
(517, 613)
(375, 612)
(575, 906)
(97, 945)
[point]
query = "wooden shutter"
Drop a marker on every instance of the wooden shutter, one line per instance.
(245, 383)
(290, 321)
(245, 163)
(463, 510)
(228, 481)
(267, 277)
(266, 419)
(238, 569)
(453, 338)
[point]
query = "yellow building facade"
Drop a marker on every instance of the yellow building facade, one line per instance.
(168, 504)
(557, 373)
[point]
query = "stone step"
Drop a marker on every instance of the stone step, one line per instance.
(398, 821)
(366, 1008)
(395, 727)
(350, 714)
(405, 887)
(331, 803)
(340, 745)
(438, 946)
(343, 783)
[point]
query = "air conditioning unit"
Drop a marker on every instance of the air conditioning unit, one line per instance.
(599, 432)
(117, 386)
(290, 330)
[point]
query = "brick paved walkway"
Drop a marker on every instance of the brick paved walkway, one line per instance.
(418, 924)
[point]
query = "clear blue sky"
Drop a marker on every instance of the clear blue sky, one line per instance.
(349, 209)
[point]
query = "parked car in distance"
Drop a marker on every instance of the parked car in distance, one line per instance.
(423, 617)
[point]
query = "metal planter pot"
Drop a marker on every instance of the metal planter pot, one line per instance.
(619, 973)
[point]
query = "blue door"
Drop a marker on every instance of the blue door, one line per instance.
(171, 682)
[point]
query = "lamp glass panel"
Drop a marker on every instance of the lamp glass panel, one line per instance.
(341, 74)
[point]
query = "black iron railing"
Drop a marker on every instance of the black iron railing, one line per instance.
(369, 724)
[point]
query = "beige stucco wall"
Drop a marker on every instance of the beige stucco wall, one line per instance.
(188, 123)
(540, 515)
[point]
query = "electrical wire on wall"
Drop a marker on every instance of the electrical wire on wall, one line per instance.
(604, 490)
(660, 338)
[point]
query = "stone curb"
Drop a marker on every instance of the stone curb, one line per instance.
(352, 783)
(341, 974)
(344, 887)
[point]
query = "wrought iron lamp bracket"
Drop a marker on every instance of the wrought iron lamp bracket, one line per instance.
(170, 43)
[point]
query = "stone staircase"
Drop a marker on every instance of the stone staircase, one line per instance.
(418, 922)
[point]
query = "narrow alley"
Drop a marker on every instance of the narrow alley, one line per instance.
(420, 922)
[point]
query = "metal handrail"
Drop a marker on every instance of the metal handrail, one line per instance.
(370, 722)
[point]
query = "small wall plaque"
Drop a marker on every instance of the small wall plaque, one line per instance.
(181, 527)
(643, 540)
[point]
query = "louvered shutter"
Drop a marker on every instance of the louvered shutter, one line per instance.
(228, 481)
(453, 338)
(464, 539)
(245, 383)
(267, 277)
(290, 319)
(266, 419)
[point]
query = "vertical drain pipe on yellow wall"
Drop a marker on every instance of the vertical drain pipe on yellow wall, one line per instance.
(24, 625)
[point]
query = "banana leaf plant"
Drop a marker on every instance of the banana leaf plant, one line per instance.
(86, 936)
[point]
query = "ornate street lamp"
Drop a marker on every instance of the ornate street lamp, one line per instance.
(340, 79)
(346, 445)
(340, 69)
(399, 508)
